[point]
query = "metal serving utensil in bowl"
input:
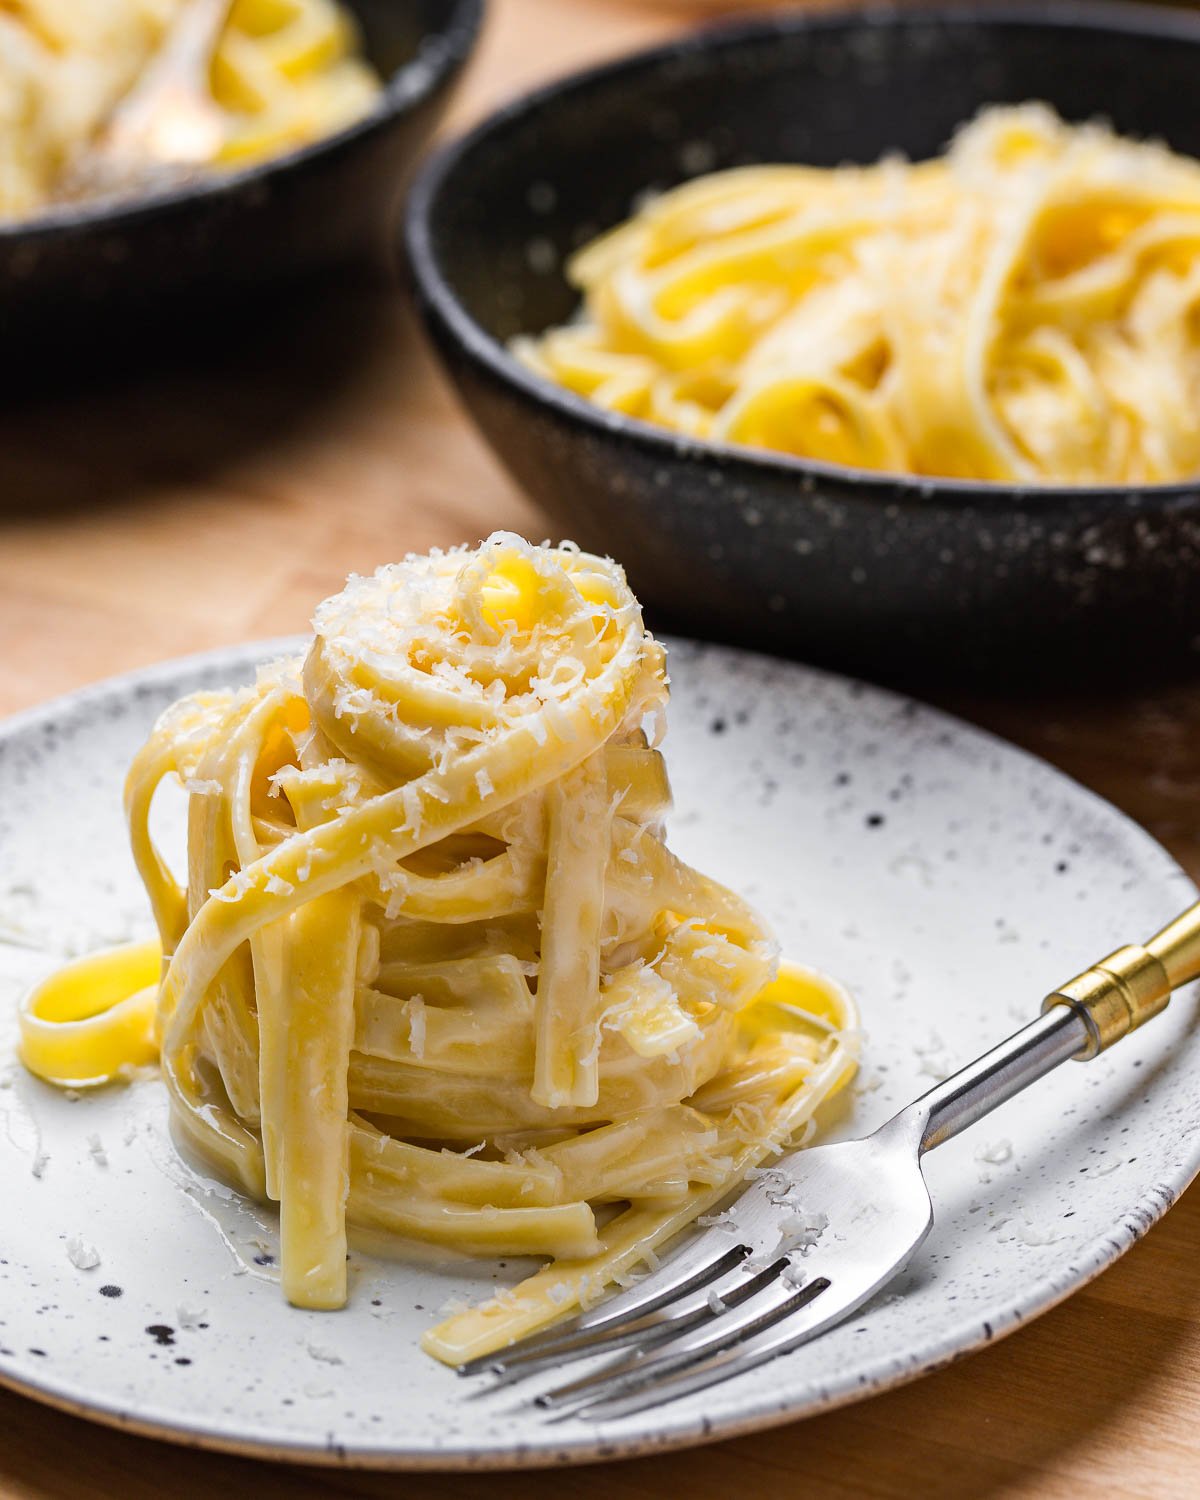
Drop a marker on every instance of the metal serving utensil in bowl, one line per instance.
(856, 1211)
(167, 125)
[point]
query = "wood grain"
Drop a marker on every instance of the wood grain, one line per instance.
(215, 498)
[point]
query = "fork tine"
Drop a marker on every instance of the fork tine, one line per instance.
(771, 1299)
(696, 1375)
(666, 1325)
(695, 1267)
(667, 1321)
(685, 1379)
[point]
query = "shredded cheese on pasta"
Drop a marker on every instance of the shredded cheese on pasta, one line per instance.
(1026, 308)
(285, 72)
(435, 973)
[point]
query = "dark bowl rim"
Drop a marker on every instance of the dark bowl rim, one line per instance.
(442, 51)
(440, 301)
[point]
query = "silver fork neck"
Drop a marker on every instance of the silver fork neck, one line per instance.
(974, 1091)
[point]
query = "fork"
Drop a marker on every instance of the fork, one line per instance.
(167, 124)
(819, 1233)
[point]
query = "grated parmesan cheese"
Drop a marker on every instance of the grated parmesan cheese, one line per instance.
(233, 889)
(995, 1155)
(82, 1254)
(414, 816)
(416, 1026)
(725, 1221)
(800, 1230)
(324, 1356)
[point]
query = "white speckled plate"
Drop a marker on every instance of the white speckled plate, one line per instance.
(948, 879)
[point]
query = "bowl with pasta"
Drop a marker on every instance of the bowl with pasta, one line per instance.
(868, 337)
(297, 124)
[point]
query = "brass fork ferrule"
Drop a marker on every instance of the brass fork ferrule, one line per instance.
(1115, 996)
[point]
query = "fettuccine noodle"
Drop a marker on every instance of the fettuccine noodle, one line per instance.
(435, 973)
(1026, 308)
(285, 72)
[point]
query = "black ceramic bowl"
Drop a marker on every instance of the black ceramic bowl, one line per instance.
(883, 574)
(79, 271)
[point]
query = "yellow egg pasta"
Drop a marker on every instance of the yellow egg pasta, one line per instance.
(435, 973)
(285, 72)
(1025, 308)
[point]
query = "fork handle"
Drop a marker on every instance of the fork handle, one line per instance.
(1079, 1020)
(1124, 990)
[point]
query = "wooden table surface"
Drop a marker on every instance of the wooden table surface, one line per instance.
(217, 499)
